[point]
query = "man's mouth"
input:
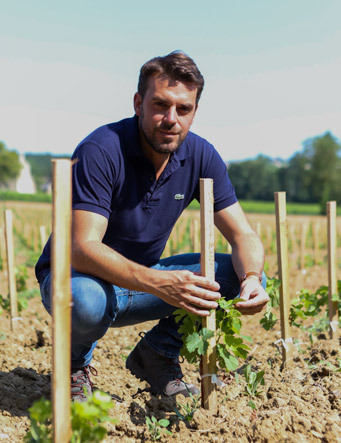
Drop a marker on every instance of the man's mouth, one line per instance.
(168, 133)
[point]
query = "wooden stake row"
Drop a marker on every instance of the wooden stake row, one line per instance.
(283, 266)
(61, 289)
(11, 268)
(307, 242)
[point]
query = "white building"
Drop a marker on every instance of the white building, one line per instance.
(24, 183)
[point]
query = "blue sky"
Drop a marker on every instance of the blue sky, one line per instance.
(272, 69)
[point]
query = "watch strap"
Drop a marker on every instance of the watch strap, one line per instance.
(247, 274)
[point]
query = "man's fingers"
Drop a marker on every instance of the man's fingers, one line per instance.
(251, 306)
(252, 302)
(194, 310)
(205, 282)
(250, 311)
(195, 293)
(201, 302)
(204, 294)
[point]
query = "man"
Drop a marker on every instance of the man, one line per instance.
(125, 182)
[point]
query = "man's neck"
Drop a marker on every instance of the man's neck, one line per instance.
(158, 160)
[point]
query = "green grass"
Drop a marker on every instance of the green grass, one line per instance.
(15, 196)
(249, 206)
(269, 207)
(261, 207)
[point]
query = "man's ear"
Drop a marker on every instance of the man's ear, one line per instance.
(137, 103)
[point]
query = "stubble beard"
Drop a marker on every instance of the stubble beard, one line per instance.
(150, 137)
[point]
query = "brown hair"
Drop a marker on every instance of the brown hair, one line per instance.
(177, 65)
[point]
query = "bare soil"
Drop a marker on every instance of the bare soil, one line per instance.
(301, 403)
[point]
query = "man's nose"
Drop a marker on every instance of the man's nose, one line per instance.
(171, 115)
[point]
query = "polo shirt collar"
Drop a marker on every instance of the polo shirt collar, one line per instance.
(133, 145)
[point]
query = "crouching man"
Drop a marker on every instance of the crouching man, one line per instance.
(132, 179)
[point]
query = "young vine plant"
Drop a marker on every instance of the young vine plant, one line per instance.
(307, 304)
(230, 341)
(87, 420)
(310, 304)
(269, 319)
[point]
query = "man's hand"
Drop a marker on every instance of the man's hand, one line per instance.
(253, 297)
(189, 291)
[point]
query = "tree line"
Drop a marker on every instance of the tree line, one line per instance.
(312, 175)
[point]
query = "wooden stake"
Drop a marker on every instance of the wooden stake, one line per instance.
(293, 239)
(196, 246)
(304, 230)
(332, 267)
(61, 293)
(208, 361)
(268, 239)
(283, 268)
(316, 235)
(35, 239)
(3, 251)
(11, 268)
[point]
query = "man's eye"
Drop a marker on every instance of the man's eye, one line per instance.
(184, 110)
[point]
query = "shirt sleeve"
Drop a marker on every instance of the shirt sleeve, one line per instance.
(215, 168)
(93, 179)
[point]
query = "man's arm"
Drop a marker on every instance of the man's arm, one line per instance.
(182, 289)
(247, 256)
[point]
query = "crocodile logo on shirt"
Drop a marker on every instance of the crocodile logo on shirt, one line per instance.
(179, 196)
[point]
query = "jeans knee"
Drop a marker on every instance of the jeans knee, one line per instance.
(91, 304)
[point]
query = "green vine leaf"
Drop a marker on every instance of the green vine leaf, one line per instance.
(198, 341)
(226, 359)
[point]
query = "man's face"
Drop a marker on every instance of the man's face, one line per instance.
(165, 113)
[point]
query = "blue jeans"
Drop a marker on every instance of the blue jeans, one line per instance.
(99, 305)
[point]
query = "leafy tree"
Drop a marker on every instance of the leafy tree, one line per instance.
(295, 178)
(239, 176)
(255, 179)
(312, 175)
(323, 152)
(336, 190)
(9, 164)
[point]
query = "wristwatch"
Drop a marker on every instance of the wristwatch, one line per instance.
(247, 274)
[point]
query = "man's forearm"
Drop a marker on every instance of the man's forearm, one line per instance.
(182, 288)
(248, 255)
(96, 258)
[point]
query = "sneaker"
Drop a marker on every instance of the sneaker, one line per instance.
(163, 374)
(81, 385)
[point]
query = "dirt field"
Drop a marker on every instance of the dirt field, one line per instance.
(298, 404)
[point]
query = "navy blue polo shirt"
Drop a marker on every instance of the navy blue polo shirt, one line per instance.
(113, 178)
